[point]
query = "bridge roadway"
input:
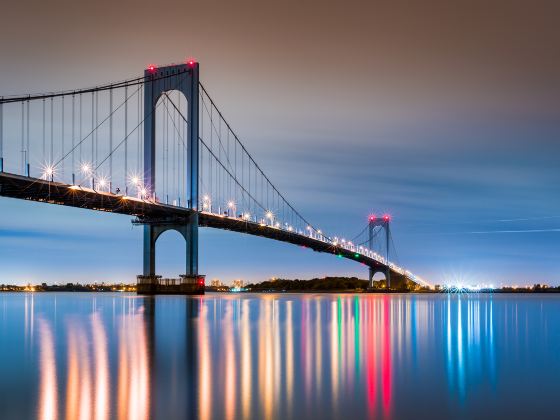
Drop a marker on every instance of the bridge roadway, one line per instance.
(35, 189)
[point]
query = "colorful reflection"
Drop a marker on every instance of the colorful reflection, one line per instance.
(469, 333)
(85, 369)
(48, 390)
(265, 356)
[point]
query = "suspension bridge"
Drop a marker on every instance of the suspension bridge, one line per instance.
(96, 149)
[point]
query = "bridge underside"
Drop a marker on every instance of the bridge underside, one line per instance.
(39, 190)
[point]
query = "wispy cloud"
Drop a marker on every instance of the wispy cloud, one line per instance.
(484, 232)
(529, 218)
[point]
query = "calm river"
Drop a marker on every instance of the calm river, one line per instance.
(105, 356)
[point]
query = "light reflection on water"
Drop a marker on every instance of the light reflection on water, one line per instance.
(102, 356)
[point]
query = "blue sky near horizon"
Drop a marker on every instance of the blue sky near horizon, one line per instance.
(445, 116)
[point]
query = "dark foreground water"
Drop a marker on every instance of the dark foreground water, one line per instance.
(82, 356)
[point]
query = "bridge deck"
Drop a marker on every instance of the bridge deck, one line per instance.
(34, 189)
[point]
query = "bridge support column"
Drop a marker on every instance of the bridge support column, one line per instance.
(384, 224)
(157, 82)
(190, 282)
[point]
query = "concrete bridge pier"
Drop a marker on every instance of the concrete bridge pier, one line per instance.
(397, 281)
(190, 282)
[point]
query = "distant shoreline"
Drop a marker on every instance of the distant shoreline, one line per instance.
(336, 285)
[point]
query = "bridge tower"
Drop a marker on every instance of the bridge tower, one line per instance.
(157, 81)
(384, 222)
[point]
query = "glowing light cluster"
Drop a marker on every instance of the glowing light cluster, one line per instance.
(466, 288)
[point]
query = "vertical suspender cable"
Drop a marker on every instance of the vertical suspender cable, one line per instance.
(96, 128)
(210, 154)
(110, 138)
(163, 136)
(62, 136)
(126, 139)
(44, 130)
(22, 150)
(142, 93)
(93, 134)
(184, 160)
(73, 138)
(202, 178)
(80, 131)
(242, 176)
(28, 148)
(138, 134)
(173, 157)
(166, 187)
(235, 170)
(1, 135)
(179, 154)
(221, 175)
(51, 157)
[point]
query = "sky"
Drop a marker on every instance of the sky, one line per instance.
(443, 114)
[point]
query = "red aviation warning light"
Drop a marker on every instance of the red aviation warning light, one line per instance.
(372, 217)
(191, 62)
(387, 218)
(152, 68)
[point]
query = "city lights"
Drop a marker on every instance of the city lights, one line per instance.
(463, 288)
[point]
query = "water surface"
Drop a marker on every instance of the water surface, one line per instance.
(103, 356)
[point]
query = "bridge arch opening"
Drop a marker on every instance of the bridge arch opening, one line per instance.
(170, 253)
(171, 128)
(380, 279)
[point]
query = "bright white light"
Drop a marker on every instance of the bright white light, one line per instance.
(102, 182)
(85, 168)
(269, 215)
(461, 287)
(246, 216)
(143, 192)
(231, 204)
(48, 172)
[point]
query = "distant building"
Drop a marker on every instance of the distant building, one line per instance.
(238, 283)
(216, 283)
